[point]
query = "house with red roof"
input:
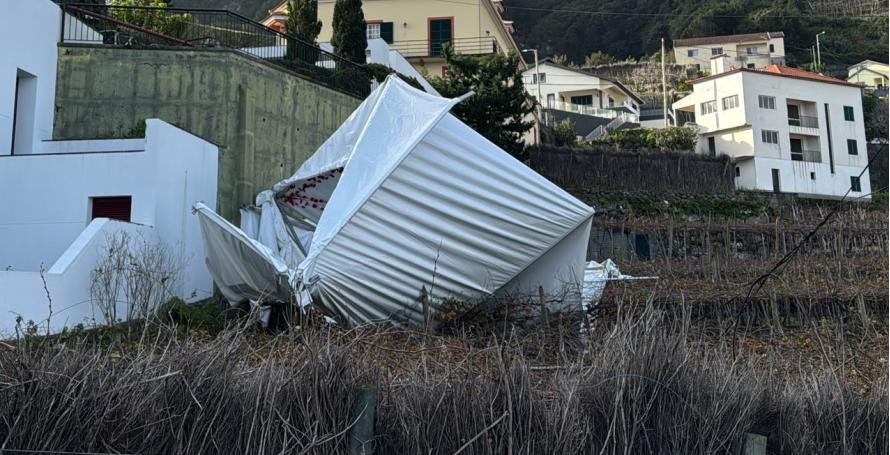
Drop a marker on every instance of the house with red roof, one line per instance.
(786, 129)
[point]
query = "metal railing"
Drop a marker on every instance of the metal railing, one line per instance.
(804, 121)
(480, 45)
(811, 156)
(149, 27)
(585, 109)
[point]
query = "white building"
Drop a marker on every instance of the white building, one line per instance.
(56, 197)
(749, 50)
(590, 101)
(787, 130)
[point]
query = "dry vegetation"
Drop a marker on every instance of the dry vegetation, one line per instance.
(649, 379)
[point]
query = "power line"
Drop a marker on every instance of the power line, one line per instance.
(690, 15)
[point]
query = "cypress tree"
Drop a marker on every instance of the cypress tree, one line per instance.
(302, 20)
(349, 38)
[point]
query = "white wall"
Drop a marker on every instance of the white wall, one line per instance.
(45, 207)
(67, 282)
(31, 49)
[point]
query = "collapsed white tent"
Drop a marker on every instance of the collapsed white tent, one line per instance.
(405, 199)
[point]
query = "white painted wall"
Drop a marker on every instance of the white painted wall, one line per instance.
(46, 207)
(30, 49)
(738, 131)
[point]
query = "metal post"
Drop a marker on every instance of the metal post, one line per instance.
(819, 50)
(540, 105)
(664, 95)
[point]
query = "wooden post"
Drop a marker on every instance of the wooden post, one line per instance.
(544, 311)
(361, 437)
(755, 444)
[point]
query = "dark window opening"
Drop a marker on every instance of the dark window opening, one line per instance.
(812, 176)
(855, 186)
(738, 171)
(114, 207)
(852, 147)
(386, 32)
(777, 186)
(440, 34)
(848, 113)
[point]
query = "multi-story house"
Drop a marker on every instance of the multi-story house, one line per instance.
(749, 50)
(590, 101)
(787, 130)
(418, 29)
(871, 74)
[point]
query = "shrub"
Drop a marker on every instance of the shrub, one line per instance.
(671, 138)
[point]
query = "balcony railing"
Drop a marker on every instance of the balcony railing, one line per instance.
(585, 109)
(811, 156)
(151, 27)
(479, 45)
(804, 121)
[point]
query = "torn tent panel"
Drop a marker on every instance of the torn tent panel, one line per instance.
(242, 268)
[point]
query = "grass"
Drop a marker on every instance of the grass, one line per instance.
(647, 380)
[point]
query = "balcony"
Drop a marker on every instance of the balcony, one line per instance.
(810, 156)
(585, 109)
(804, 121)
(480, 45)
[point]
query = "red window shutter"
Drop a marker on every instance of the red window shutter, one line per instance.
(116, 208)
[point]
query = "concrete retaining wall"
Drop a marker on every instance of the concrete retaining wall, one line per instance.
(265, 120)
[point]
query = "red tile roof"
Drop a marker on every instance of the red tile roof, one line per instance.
(785, 71)
(742, 38)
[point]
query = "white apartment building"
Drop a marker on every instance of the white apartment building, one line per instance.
(787, 130)
(749, 50)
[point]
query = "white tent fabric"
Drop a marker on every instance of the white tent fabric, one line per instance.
(242, 268)
(424, 201)
(404, 199)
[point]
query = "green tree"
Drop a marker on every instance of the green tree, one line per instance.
(875, 112)
(349, 38)
(302, 23)
(599, 58)
(563, 59)
(500, 105)
(157, 20)
(563, 134)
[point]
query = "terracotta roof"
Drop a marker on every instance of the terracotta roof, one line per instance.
(727, 38)
(784, 71)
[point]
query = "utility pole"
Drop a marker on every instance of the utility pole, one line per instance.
(664, 94)
(819, 50)
(537, 95)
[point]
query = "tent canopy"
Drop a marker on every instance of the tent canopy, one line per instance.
(404, 199)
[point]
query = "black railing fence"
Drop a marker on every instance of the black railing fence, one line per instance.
(480, 45)
(140, 27)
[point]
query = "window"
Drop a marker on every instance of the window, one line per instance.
(769, 137)
(766, 102)
(848, 113)
(585, 100)
(852, 147)
(855, 186)
(115, 207)
(738, 171)
(708, 107)
(440, 33)
(551, 100)
(751, 66)
(751, 51)
(812, 176)
(692, 53)
(772, 48)
(542, 77)
(386, 32)
(24, 102)
(373, 30)
(716, 50)
(730, 102)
